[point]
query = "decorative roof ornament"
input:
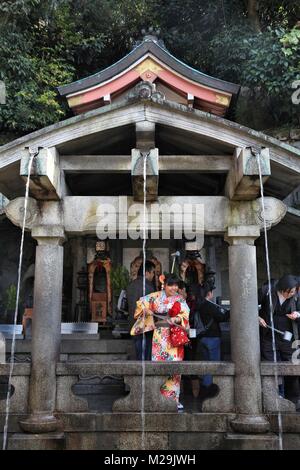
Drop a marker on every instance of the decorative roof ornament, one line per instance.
(150, 35)
(146, 91)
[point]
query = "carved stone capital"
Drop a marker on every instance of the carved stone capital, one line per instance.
(49, 234)
(250, 214)
(242, 235)
(274, 209)
(14, 211)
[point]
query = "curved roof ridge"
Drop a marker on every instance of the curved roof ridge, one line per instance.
(80, 80)
(162, 54)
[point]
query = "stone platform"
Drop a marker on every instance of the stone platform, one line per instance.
(165, 431)
(98, 406)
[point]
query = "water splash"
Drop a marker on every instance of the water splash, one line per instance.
(144, 293)
(7, 406)
(280, 430)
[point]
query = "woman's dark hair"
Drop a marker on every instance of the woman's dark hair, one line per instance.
(171, 280)
(149, 266)
(286, 283)
(181, 284)
(203, 291)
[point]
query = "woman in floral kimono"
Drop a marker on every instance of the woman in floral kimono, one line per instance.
(153, 312)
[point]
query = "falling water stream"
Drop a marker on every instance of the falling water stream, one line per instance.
(7, 407)
(144, 293)
(270, 301)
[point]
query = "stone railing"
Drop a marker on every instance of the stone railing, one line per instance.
(155, 374)
(20, 387)
(271, 400)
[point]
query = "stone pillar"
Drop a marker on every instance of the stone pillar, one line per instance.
(46, 325)
(244, 326)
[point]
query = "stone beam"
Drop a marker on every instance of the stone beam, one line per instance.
(95, 163)
(195, 163)
(137, 174)
(39, 213)
(167, 163)
(45, 173)
(82, 214)
(243, 183)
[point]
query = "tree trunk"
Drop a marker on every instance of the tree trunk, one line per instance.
(253, 16)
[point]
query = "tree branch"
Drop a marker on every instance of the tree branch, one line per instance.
(253, 16)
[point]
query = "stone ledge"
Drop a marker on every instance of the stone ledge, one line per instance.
(251, 442)
(283, 368)
(151, 368)
(165, 422)
(290, 422)
(19, 369)
(76, 346)
(51, 441)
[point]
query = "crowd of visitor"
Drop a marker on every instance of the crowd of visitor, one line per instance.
(167, 315)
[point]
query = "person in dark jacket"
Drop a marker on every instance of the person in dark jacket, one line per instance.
(297, 297)
(264, 290)
(284, 315)
(134, 292)
(211, 316)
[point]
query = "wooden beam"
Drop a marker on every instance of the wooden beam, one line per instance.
(167, 163)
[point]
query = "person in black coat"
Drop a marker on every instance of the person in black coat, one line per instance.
(211, 315)
(285, 318)
(297, 297)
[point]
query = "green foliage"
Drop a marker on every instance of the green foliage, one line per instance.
(119, 277)
(46, 43)
(9, 297)
(262, 65)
